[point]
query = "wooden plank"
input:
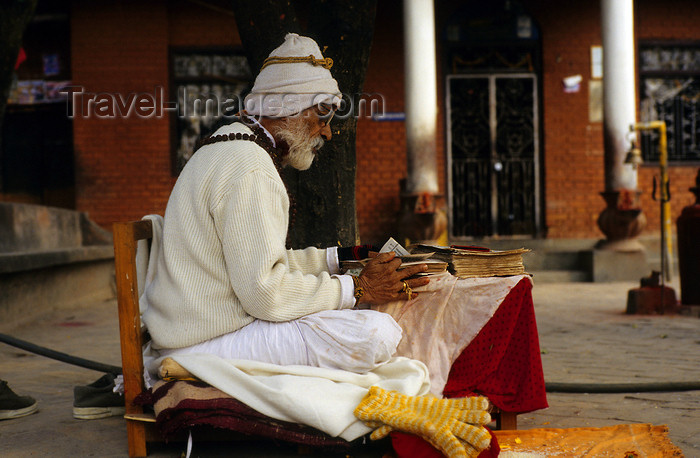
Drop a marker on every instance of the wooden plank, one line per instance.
(147, 417)
(125, 238)
(507, 421)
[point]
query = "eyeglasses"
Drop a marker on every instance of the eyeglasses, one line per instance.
(325, 113)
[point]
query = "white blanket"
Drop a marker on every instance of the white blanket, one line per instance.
(147, 256)
(322, 398)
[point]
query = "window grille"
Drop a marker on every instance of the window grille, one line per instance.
(669, 75)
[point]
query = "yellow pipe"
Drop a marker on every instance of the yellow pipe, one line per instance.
(666, 239)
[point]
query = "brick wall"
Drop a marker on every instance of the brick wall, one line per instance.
(381, 145)
(678, 22)
(123, 168)
(123, 165)
(573, 147)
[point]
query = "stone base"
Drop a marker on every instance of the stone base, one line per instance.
(27, 295)
(625, 245)
(608, 266)
(652, 300)
(51, 258)
(690, 310)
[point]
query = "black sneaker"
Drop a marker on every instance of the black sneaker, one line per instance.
(97, 400)
(14, 406)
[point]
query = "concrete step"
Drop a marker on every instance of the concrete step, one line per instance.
(560, 276)
(51, 258)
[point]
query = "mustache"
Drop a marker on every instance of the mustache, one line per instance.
(297, 135)
(303, 147)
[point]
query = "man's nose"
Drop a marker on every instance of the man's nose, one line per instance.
(326, 132)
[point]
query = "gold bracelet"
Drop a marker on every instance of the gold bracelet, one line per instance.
(359, 290)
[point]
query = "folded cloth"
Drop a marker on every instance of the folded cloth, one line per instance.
(170, 370)
(511, 376)
(181, 405)
(147, 257)
(630, 440)
(321, 398)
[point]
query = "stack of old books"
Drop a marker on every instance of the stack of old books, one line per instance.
(478, 262)
(435, 266)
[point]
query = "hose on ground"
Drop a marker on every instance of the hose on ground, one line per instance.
(57, 355)
(550, 387)
(599, 388)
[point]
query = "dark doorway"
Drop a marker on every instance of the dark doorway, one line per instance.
(492, 154)
(36, 159)
(492, 63)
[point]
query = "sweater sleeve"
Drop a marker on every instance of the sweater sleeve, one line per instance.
(251, 221)
(309, 260)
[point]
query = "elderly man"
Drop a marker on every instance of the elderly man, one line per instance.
(225, 283)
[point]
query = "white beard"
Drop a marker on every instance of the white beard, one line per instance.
(302, 147)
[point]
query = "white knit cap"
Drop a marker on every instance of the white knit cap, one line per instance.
(293, 78)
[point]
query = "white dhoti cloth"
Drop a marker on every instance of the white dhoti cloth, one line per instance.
(321, 367)
(351, 340)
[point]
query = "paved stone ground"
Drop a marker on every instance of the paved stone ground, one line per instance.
(584, 336)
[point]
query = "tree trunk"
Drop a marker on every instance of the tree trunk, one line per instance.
(14, 17)
(324, 195)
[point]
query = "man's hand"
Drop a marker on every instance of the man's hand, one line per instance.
(383, 283)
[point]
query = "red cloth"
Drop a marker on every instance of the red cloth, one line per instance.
(21, 57)
(410, 446)
(182, 414)
(502, 363)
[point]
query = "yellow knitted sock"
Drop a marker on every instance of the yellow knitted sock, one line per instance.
(439, 421)
(472, 410)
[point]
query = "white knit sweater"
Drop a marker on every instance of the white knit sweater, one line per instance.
(223, 261)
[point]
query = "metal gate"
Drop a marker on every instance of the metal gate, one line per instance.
(493, 144)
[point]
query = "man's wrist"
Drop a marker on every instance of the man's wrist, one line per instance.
(359, 290)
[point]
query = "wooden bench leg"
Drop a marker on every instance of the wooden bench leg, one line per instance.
(507, 421)
(136, 436)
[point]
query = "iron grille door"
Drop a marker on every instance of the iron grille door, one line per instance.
(492, 155)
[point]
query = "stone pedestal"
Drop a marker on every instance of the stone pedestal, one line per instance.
(621, 221)
(422, 219)
(51, 258)
(610, 265)
(652, 300)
